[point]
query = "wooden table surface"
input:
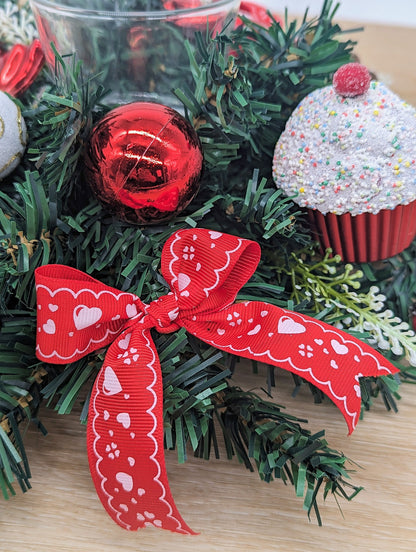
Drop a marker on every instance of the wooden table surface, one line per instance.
(230, 507)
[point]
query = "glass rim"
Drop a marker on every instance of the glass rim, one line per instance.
(57, 7)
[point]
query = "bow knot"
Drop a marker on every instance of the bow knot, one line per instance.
(162, 313)
(204, 270)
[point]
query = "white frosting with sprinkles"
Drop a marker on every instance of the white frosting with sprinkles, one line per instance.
(349, 155)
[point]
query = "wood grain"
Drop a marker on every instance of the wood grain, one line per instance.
(232, 509)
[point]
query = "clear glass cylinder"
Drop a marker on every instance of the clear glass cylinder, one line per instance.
(135, 48)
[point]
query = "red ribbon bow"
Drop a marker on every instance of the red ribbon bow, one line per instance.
(19, 67)
(205, 270)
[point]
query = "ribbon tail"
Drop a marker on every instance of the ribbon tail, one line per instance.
(125, 437)
(330, 359)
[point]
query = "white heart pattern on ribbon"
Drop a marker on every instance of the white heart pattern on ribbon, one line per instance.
(287, 325)
(183, 281)
(49, 327)
(111, 385)
(131, 310)
(86, 316)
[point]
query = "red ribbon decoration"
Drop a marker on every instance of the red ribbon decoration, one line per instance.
(205, 270)
(19, 67)
(256, 13)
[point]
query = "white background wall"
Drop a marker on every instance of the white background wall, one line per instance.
(393, 12)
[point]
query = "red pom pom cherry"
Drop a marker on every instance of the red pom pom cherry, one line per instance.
(352, 79)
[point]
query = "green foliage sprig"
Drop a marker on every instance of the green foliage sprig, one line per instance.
(17, 23)
(327, 285)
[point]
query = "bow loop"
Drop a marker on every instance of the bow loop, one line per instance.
(78, 314)
(206, 269)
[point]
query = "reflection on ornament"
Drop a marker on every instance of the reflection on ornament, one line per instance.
(13, 135)
(143, 161)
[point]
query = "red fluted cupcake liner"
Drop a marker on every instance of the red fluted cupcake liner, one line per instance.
(366, 237)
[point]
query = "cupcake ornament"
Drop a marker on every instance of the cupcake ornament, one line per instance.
(348, 156)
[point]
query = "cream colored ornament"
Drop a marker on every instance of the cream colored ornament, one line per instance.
(13, 135)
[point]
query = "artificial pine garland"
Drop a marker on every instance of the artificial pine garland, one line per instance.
(238, 104)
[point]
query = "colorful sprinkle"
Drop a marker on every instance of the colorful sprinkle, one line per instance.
(358, 158)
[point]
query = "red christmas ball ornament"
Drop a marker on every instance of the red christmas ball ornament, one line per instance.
(351, 79)
(143, 161)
